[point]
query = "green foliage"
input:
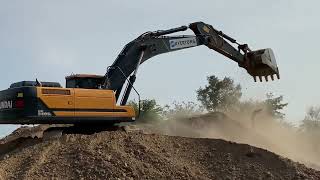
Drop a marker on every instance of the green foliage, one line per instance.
(274, 106)
(182, 110)
(219, 95)
(150, 111)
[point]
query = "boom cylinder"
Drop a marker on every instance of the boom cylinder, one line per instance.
(118, 92)
(170, 31)
(125, 98)
(132, 79)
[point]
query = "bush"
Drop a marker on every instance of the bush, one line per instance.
(180, 110)
(150, 111)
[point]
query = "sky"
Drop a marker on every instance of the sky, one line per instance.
(51, 39)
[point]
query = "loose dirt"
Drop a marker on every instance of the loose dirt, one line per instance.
(135, 154)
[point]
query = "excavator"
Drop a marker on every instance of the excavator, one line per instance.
(95, 99)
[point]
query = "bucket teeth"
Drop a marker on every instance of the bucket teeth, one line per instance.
(261, 64)
(272, 77)
(265, 77)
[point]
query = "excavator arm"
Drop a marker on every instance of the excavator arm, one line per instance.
(257, 63)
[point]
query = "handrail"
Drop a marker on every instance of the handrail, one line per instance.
(127, 79)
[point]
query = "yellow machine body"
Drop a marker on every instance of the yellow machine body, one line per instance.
(74, 102)
(57, 105)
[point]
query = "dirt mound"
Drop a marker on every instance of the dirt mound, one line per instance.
(264, 132)
(134, 155)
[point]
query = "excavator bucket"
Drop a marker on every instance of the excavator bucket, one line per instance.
(261, 63)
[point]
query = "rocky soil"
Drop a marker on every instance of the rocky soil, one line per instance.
(124, 154)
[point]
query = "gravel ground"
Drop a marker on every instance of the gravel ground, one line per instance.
(135, 155)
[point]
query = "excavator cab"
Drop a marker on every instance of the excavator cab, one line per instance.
(84, 81)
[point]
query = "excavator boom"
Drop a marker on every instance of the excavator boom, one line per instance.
(260, 63)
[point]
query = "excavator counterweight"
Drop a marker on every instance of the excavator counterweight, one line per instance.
(92, 99)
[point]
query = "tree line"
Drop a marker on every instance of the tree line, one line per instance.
(224, 95)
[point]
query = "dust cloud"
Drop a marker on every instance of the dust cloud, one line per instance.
(253, 127)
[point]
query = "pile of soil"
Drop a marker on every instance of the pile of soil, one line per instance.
(134, 155)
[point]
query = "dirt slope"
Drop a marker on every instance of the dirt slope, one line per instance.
(134, 155)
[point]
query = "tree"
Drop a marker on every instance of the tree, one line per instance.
(150, 111)
(311, 127)
(219, 94)
(311, 122)
(274, 105)
(271, 106)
